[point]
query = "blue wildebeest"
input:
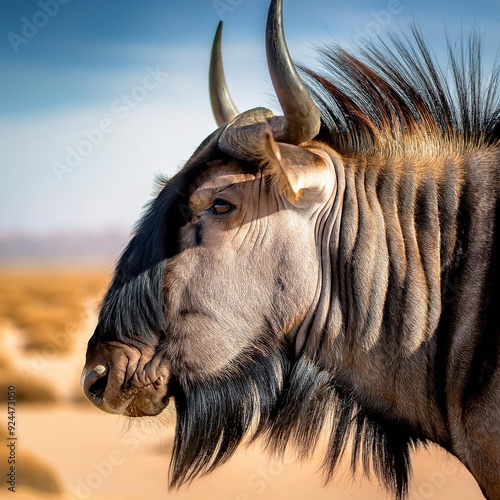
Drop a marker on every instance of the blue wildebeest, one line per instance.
(337, 266)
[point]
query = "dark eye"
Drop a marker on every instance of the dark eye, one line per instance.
(221, 207)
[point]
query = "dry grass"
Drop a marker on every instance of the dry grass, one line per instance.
(32, 472)
(5, 363)
(47, 305)
(28, 388)
(46, 309)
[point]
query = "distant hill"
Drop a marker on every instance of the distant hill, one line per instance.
(62, 248)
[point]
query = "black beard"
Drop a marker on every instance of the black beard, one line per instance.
(285, 402)
(215, 414)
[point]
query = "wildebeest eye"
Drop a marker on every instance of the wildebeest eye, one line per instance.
(221, 207)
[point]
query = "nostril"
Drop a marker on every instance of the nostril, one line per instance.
(96, 390)
(94, 383)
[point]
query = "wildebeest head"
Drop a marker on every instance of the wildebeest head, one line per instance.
(293, 274)
(205, 301)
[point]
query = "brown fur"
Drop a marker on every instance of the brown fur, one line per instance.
(351, 282)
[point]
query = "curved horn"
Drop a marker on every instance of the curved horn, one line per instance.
(223, 107)
(301, 121)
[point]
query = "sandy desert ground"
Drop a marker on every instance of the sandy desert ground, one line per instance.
(66, 449)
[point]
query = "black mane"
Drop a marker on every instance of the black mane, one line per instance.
(396, 95)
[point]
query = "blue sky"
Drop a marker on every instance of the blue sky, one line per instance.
(97, 96)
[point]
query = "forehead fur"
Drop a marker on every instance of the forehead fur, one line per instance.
(220, 174)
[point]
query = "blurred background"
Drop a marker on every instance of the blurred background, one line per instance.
(96, 98)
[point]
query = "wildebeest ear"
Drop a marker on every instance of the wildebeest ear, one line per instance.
(303, 176)
(297, 172)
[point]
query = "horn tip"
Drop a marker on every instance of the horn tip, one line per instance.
(218, 33)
